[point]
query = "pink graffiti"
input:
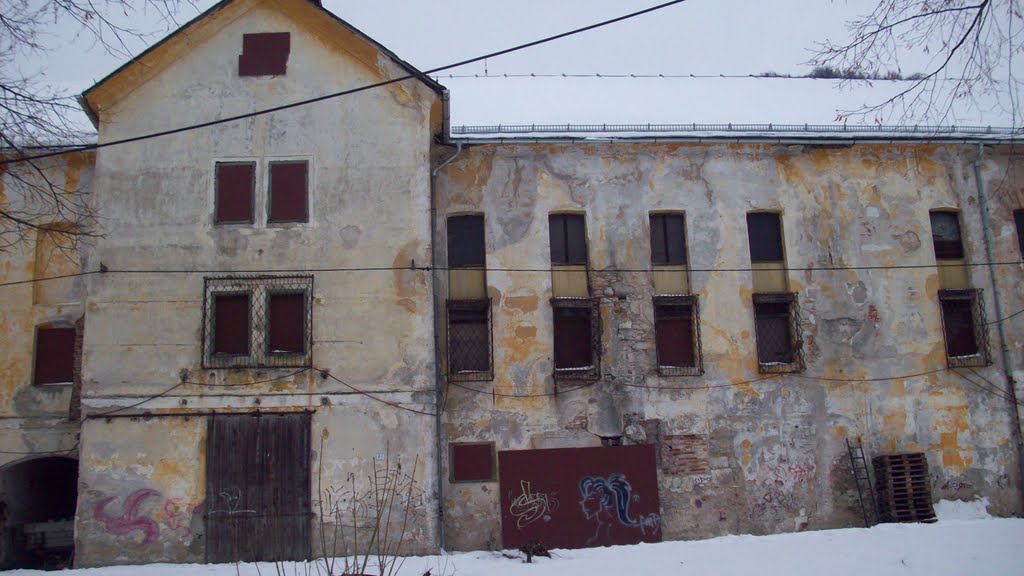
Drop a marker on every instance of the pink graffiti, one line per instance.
(129, 521)
(176, 518)
(792, 473)
(956, 485)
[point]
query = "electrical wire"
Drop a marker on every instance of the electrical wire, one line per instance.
(308, 101)
(42, 453)
(327, 374)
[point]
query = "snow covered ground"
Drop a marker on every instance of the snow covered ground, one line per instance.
(965, 540)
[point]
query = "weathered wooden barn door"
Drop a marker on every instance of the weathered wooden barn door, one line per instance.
(579, 497)
(258, 487)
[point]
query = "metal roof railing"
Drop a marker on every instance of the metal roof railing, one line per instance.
(694, 128)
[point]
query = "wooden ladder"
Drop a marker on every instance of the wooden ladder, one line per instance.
(862, 477)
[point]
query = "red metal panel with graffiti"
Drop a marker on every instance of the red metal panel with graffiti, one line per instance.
(579, 497)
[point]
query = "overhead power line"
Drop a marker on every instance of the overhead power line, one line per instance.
(308, 101)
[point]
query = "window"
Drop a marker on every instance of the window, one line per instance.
(668, 239)
(264, 54)
(1018, 217)
(472, 462)
(764, 233)
(287, 192)
(568, 240)
(258, 322)
(54, 356)
(964, 327)
(466, 241)
(577, 330)
(469, 340)
(777, 330)
(946, 236)
(677, 335)
(234, 187)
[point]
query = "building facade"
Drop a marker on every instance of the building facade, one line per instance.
(531, 341)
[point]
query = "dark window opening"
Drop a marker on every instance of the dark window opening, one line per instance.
(964, 327)
(946, 236)
(469, 339)
(55, 356)
(676, 339)
(764, 233)
(668, 239)
(611, 440)
(288, 192)
(287, 331)
(1018, 217)
(231, 324)
(472, 462)
(568, 239)
(235, 185)
(466, 241)
(776, 325)
(577, 338)
(38, 511)
(264, 54)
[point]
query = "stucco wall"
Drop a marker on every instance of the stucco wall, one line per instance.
(776, 457)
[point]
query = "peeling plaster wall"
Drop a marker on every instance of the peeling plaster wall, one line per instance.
(770, 455)
(369, 207)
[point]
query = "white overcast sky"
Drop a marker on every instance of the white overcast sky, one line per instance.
(697, 37)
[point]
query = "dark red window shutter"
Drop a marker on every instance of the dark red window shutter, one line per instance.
(235, 184)
(668, 239)
(673, 326)
(264, 54)
(287, 324)
(774, 340)
(288, 181)
(231, 324)
(764, 233)
(573, 343)
(472, 462)
(55, 355)
(946, 236)
(958, 325)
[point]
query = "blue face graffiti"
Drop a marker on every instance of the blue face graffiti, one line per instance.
(609, 498)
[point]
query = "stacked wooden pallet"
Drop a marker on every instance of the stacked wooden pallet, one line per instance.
(903, 488)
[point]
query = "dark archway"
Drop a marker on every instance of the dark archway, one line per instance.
(37, 513)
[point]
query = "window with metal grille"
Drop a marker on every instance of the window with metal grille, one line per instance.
(466, 241)
(964, 327)
(777, 329)
(472, 462)
(568, 236)
(668, 239)
(1018, 217)
(288, 192)
(946, 235)
(234, 187)
(258, 322)
(54, 356)
(264, 54)
(677, 335)
(764, 234)
(469, 340)
(577, 331)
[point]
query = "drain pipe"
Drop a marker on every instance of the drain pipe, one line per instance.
(1003, 344)
(438, 376)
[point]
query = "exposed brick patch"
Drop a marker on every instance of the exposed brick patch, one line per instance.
(685, 454)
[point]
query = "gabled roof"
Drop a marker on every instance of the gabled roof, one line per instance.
(191, 24)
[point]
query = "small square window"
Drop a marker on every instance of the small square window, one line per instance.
(234, 185)
(764, 234)
(946, 236)
(677, 337)
(472, 462)
(577, 332)
(668, 239)
(54, 356)
(288, 192)
(777, 330)
(469, 340)
(964, 327)
(568, 237)
(264, 54)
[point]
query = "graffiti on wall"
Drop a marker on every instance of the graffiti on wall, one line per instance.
(605, 501)
(529, 506)
(175, 515)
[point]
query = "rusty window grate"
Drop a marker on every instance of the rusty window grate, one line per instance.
(54, 356)
(258, 322)
(577, 338)
(946, 235)
(777, 328)
(668, 239)
(234, 188)
(677, 335)
(568, 235)
(964, 328)
(764, 234)
(472, 462)
(469, 340)
(264, 54)
(288, 192)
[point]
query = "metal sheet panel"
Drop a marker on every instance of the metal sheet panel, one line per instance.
(579, 497)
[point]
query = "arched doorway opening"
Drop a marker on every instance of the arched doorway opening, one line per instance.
(37, 513)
